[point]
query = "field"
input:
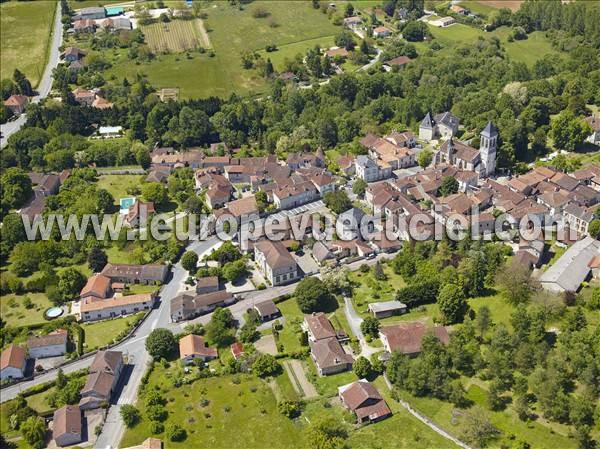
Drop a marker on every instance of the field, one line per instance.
(231, 31)
(368, 289)
(25, 28)
(289, 51)
(527, 51)
(176, 36)
(15, 314)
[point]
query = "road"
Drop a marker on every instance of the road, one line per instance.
(45, 84)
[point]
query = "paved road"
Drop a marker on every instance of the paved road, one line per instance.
(45, 84)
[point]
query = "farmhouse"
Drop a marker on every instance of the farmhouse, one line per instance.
(12, 363)
(92, 309)
(84, 26)
(52, 345)
(136, 274)
(381, 31)
(329, 356)
(193, 347)
(407, 338)
(67, 424)
(138, 210)
(72, 54)
(399, 62)
(105, 372)
(363, 399)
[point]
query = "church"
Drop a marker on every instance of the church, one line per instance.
(465, 157)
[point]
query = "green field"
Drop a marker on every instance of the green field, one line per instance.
(368, 289)
(25, 29)
(289, 51)
(199, 75)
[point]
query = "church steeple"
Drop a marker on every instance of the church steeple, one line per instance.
(488, 147)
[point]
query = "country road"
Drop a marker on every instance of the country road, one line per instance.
(45, 84)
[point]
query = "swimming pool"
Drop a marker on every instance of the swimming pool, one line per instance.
(54, 312)
(124, 204)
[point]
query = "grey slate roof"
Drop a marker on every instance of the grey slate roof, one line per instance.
(446, 118)
(571, 269)
(489, 130)
(427, 122)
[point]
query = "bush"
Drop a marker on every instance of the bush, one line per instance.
(175, 433)
(156, 427)
(157, 413)
(130, 415)
(266, 365)
(290, 409)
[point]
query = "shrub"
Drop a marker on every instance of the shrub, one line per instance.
(175, 433)
(290, 409)
(130, 415)
(259, 12)
(156, 427)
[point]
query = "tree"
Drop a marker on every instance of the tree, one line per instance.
(337, 201)
(517, 285)
(359, 187)
(594, 228)
(22, 83)
(218, 330)
(362, 368)
(34, 432)
(378, 272)
(449, 186)
(174, 432)
(370, 326)
(161, 343)
(452, 304)
(290, 409)
(142, 157)
(424, 158)
(155, 192)
(189, 261)
(104, 200)
(266, 365)
(312, 295)
(16, 189)
(349, 10)
(70, 283)
(415, 31)
(130, 415)
(61, 379)
(483, 320)
(569, 131)
(336, 279)
(235, 270)
(345, 39)
(97, 259)
(327, 433)
(262, 200)
(476, 428)
(11, 233)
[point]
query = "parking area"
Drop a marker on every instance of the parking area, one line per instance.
(306, 262)
(315, 206)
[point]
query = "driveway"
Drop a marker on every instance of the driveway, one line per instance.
(354, 320)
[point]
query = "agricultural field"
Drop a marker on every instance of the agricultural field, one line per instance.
(25, 29)
(221, 73)
(176, 36)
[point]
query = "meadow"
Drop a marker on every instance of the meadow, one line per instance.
(25, 29)
(232, 31)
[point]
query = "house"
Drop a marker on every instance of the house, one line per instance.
(348, 224)
(457, 9)
(243, 209)
(329, 356)
(444, 125)
(207, 284)
(73, 54)
(337, 52)
(369, 171)
(13, 361)
(571, 269)
(16, 103)
(399, 62)
(407, 338)
(578, 218)
(381, 31)
(275, 262)
(354, 23)
(237, 350)
(387, 308)
(104, 374)
(93, 12)
(98, 286)
(136, 274)
(321, 252)
(84, 97)
(53, 344)
(318, 327)
(116, 24)
(76, 66)
(106, 132)
(363, 399)
(159, 175)
(93, 309)
(288, 77)
(33, 209)
(296, 193)
(138, 210)
(186, 306)
(346, 164)
(45, 184)
(67, 426)
(594, 123)
(84, 26)
(267, 310)
(193, 347)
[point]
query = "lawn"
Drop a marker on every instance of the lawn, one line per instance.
(500, 309)
(241, 413)
(15, 314)
(289, 51)
(288, 336)
(102, 333)
(118, 185)
(25, 29)
(478, 7)
(231, 32)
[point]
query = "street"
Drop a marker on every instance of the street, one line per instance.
(45, 84)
